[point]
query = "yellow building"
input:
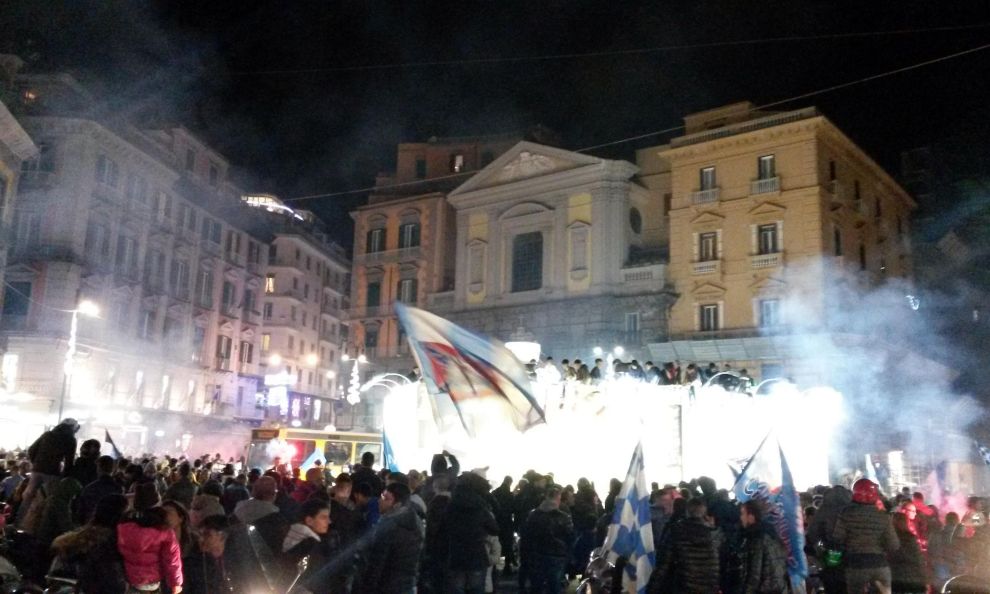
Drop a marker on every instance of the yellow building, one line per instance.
(767, 211)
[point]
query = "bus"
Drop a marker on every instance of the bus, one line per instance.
(300, 447)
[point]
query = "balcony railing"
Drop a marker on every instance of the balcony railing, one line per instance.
(223, 363)
(410, 253)
(254, 268)
(766, 260)
(705, 196)
(230, 311)
(770, 185)
(706, 267)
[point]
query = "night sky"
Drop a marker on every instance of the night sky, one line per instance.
(295, 95)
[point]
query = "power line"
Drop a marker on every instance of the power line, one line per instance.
(626, 52)
(828, 89)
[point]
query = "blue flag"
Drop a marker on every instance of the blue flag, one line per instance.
(388, 456)
(763, 473)
(630, 534)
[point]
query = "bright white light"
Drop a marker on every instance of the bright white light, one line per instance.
(296, 423)
(598, 351)
(345, 357)
(312, 359)
(330, 429)
(618, 351)
(524, 351)
(362, 359)
(331, 374)
(88, 308)
(274, 359)
(159, 433)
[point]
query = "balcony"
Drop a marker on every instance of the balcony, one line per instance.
(761, 261)
(251, 317)
(209, 247)
(223, 363)
(706, 267)
(644, 278)
(254, 268)
(373, 311)
(290, 293)
(398, 255)
(230, 311)
(770, 185)
(234, 259)
(705, 196)
(330, 309)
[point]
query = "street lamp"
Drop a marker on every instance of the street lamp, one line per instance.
(312, 359)
(86, 308)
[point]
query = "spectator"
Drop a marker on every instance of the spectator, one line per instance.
(547, 537)
(393, 555)
(152, 557)
(90, 554)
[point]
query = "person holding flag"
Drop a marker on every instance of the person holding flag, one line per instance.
(630, 535)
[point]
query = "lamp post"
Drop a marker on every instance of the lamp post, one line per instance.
(86, 308)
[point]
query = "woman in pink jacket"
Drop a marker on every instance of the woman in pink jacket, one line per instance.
(152, 558)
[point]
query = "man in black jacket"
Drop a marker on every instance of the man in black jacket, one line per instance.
(393, 555)
(92, 493)
(51, 457)
(547, 538)
(364, 473)
(687, 561)
(764, 560)
(469, 524)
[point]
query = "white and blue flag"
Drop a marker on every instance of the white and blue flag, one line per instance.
(630, 534)
(767, 478)
(984, 452)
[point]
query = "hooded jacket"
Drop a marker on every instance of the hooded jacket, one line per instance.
(764, 561)
(393, 556)
(866, 536)
(469, 524)
(548, 531)
(688, 560)
(150, 554)
(91, 553)
(54, 452)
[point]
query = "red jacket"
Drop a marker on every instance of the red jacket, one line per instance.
(149, 552)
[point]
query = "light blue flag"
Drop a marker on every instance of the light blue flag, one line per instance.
(388, 456)
(767, 478)
(984, 452)
(630, 534)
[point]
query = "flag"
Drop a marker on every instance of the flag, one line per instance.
(463, 365)
(107, 439)
(388, 456)
(630, 534)
(763, 473)
(984, 452)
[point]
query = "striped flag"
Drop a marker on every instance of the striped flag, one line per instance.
(464, 366)
(984, 452)
(758, 480)
(630, 535)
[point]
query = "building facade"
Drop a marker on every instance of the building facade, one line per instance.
(145, 224)
(771, 216)
(305, 297)
(559, 248)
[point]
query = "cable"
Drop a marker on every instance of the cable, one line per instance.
(663, 131)
(627, 52)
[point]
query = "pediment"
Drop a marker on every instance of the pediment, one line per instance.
(526, 160)
(178, 309)
(708, 289)
(247, 333)
(767, 208)
(767, 283)
(707, 217)
(226, 326)
(524, 209)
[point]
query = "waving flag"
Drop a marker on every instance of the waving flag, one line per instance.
(463, 365)
(630, 534)
(388, 455)
(107, 439)
(759, 480)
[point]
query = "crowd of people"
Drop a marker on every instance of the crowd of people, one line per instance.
(115, 525)
(670, 373)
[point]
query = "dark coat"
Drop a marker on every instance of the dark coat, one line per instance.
(907, 565)
(83, 470)
(364, 474)
(203, 574)
(764, 561)
(91, 495)
(91, 555)
(54, 452)
(393, 556)
(687, 563)
(469, 523)
(866, 535)
(182, 490)
(547, 531)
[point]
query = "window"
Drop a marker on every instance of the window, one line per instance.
(456, 163)
(229, 296)
(190, 159)
(856, 191)
(667, 199)
(268, 310)
(309, 262)
(862, 257)
(292, 313)
(204, 288)
(266, 342)
(107, 171)
(374, 294)
(878, 208)
(408, 235)
(295, 284)
(214, 175)
(767, 239)
(769, 313)
(709, 315)
(16, 299)
(766, 167)
(254, 253)
(292, 343)
(97, 240)
(247, 352)
(831, 170)
(305, 317)
(420, 168)
(371, 337)
(900, 227)
(306, 291)
(708, 246)
(224, 346)
(837, 241)
(632, 323)
(269, 284)
(707, 178)
(250, 300)
(635, 221)
(527, 262)
(146, 329)
(137, 189)
(178, 278)
(407, 290)
(127, 253)
(375, 240)
(190, 219)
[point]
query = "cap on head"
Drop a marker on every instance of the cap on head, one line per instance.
(71, 423)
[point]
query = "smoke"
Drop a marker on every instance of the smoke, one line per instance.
(876, 343)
